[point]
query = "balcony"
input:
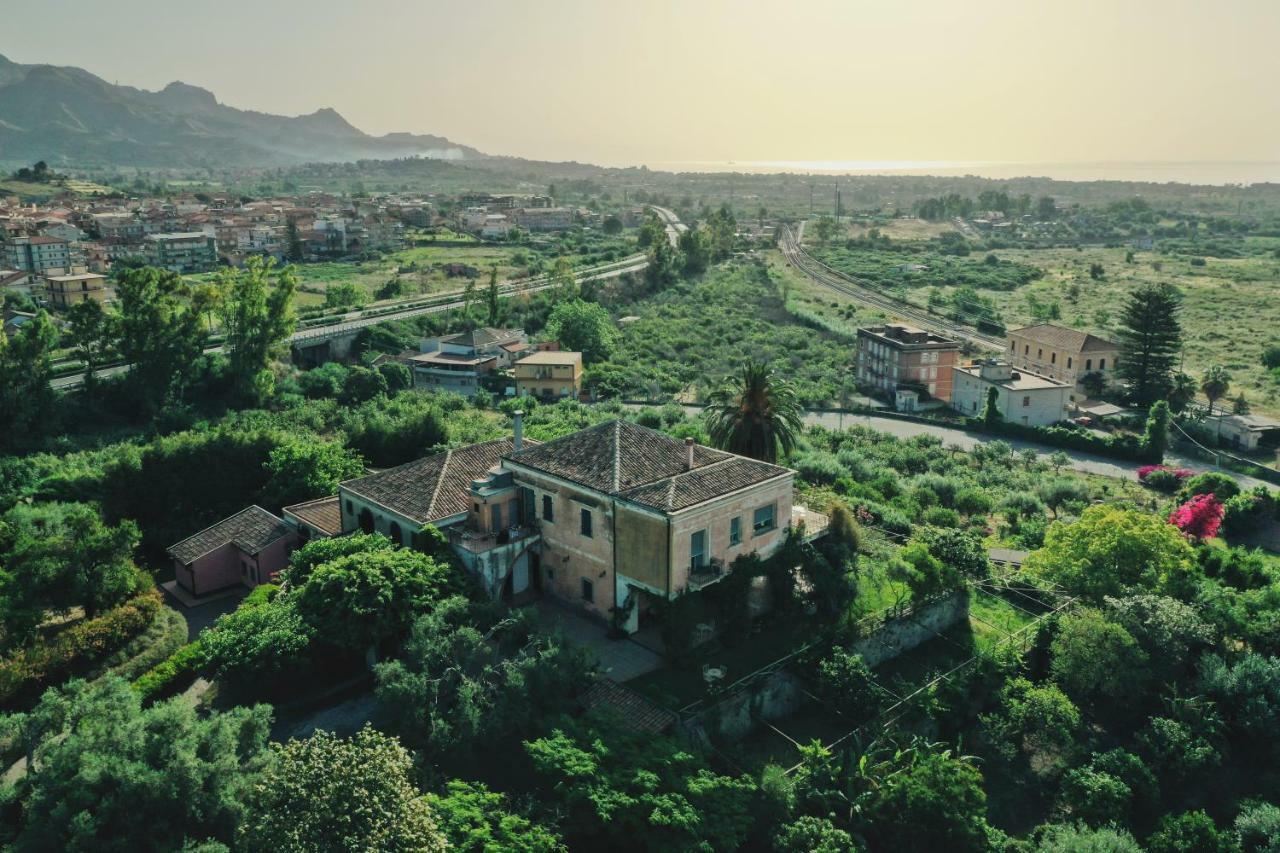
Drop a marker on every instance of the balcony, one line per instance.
(701, 577)
(482, 542)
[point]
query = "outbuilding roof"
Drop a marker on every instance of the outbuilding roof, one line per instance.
(251, 529)
(1063, 338)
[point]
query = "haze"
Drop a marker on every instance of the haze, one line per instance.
(653, 82)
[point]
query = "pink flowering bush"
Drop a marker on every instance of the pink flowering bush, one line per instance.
(1199, 518)
(1163, 478)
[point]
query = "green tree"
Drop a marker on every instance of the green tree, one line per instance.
(825, 227)
(474, 819)
(1215, 384)
(1150, 337)
(27, 403)
(1061, 491)
(991, 414)
(160, 334)
(612, 226)
(1155, 438)
(91, 334)
(1189, 832)
(695, 246)
(303, 469)
(845, 680)
(255, 644)
(923, 573)
(491, 297)
(1182, 390)
(110, 775)
(1040, 722)
(292, 241)
(583, 327)
(462, 687)
(1110, 550)
(935, 803)
(363, 599)
(57, 556)
(1075, 838)
(810, 834)
(614, 785)
(1258, 827)
(257, 319)
(664, 264)
(330, 793)
(757, 415)
(1097, 661)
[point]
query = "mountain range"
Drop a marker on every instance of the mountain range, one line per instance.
(68, 116)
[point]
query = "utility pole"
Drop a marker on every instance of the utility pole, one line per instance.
(810, 200)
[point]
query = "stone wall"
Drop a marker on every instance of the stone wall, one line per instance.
(777, 695)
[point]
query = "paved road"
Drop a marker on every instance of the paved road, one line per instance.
(1087, 463)
(674, 226)
(359, 320)
(867, 294)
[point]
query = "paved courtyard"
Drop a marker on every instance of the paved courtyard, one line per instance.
(620, 660)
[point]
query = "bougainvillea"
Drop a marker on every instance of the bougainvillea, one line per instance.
(1199, 518)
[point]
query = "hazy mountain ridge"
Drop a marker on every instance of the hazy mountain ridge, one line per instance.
(66, 115)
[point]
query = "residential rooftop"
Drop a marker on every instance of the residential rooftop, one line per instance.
(251, 529)
(552, 357)
(1064, 338)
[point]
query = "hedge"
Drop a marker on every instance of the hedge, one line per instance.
(28, 671)
(1125, 447)
(171, 675)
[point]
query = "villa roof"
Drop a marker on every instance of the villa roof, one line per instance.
(323, 514)
(644, 466)
(251, 529)
(1063, 338)
(482, 337)
(432, 488)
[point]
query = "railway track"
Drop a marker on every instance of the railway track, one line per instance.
(865, 293)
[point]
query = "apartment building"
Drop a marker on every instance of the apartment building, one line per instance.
(183, 252)
(65, 290)
(1065, 355)
(36, 254)
(894, 357)
(549, 375)
(1023, 398)
(459, 362)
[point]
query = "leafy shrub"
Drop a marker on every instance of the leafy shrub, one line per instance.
(1162, 478)
(820, 469)
(1222, 486)
(30, 670)
(941, 516)
(1200, 517)
(171, 675)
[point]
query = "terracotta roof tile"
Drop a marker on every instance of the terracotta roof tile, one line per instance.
(324, 514)
(1061, 337)
(635, 711)
(434, 487)
(251, 529)
(644, 466)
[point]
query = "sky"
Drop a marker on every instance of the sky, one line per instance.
(659, 81)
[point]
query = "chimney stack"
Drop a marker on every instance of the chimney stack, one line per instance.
(517, 439)
(688, 454)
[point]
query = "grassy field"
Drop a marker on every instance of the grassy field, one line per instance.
(1231, 308)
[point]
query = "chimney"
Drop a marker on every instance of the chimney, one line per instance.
(517, 438)
(688, 454)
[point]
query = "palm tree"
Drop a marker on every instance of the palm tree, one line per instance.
(756, 414)
(1215, 384)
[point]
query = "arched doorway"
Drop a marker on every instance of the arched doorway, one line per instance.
(366, 520)
(395, 534)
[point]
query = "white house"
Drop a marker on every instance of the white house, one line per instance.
(1024, 398)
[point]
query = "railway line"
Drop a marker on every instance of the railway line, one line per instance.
(867, 294)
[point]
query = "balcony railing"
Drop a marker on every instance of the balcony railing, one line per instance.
(704, 575)
(480, 541)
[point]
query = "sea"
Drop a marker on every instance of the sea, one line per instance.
(1203, 173)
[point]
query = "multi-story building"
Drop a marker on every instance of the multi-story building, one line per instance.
(1067, 355)
(549, 375)
(542, 218)
(37, 254)
(894, 357)
(458, 362)
(1023, 398)
(615, 519)
(186, 252)
(74, 287)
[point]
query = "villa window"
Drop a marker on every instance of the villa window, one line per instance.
(1068, 362)
(763, 520)
(735, 530)
(588, 591)
(1088, 364)
(584, 523)
(1026, 401)
(698, 550)
(548, 509)
(395, 534)
(1053, 358)
(1102, 364)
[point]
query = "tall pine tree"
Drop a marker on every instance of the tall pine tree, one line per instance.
(1150, 338)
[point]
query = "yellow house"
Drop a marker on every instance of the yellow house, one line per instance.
(74, 288)
(549, 375)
